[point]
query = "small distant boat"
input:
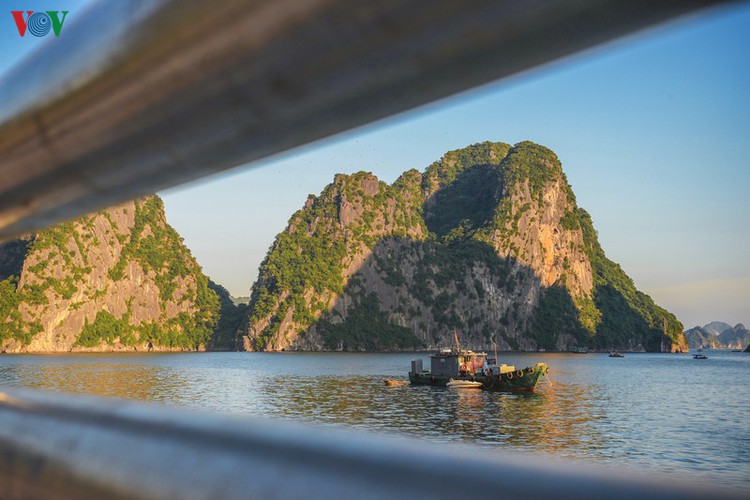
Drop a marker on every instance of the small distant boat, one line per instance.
(581, 350)
(616, 354)
(700, 356)
(463, 384)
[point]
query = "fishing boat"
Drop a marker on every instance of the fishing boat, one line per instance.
(616, 354)
(700, 356)
(454, 365)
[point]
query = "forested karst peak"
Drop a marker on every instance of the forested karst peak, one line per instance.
(488, 240)
(117, 279)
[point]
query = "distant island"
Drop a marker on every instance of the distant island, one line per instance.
(718, 335)
(487, 245)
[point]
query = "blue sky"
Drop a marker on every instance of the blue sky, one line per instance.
(653, 132)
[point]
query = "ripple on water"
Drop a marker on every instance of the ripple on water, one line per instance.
(662, 412)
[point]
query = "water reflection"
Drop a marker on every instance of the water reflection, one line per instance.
(130, 381)
(647, 410)
(556, 420)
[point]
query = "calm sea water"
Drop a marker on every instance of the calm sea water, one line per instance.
(659, 411)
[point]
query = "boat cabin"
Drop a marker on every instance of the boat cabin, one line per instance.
(449, 363)
(452, 363)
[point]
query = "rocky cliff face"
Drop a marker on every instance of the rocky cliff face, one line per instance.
(118, 279)
(488, 242)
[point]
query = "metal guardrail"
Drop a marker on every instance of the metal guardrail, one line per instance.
(63, 446)
(142, 95)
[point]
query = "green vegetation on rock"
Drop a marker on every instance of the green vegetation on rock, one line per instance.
(465, 205)
(556, 313)
(106, 328)
(367, 329)
(533, 164)
(457, 247)
(444, 172)
(63, 267)
(12, 325)
(626, 313)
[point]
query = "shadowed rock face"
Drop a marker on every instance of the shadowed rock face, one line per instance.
(118, 279)
(488, 242)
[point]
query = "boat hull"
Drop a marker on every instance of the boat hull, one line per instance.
(517, 381)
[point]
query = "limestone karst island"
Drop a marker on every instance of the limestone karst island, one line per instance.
(487, 241)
